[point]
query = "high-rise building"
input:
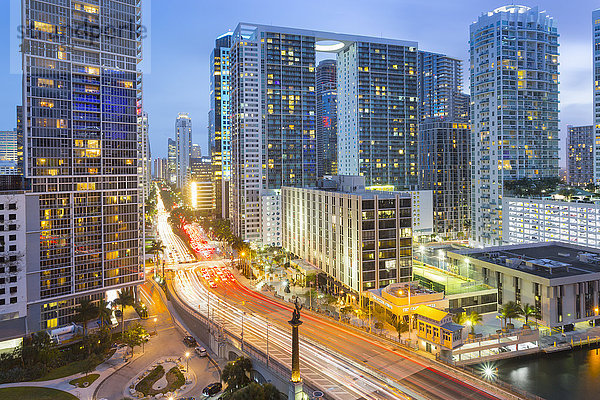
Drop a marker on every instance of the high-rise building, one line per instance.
(8, 153)
(172, 161)
(596, 77)
(201, 169)
(440, 82)
(273, 109)
(580, 155)
(81, 100)
(159, 170)
(514, 114)
(196, 151)
(145, 165)
(444, 141)
(326, 118)
(183, 147)
(219, 136)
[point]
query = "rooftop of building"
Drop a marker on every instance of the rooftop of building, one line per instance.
(355, 185)
(431, 313)
(248, 30)
(546, 259)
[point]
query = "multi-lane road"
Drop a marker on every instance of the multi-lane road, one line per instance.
(344, 363)
(175, 250)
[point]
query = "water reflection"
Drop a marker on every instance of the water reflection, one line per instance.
(566, 375)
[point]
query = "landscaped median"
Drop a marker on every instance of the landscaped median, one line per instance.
(34, 393)
(164, 377)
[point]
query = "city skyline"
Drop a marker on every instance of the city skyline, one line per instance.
(163, 100)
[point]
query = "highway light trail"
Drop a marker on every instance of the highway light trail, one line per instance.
(319, 366)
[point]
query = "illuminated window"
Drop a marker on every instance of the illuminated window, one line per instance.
(46, 103)
(42, 26)
(43, 82)
(92, 70)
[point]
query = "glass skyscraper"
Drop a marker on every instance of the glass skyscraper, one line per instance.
(444, 142)
(326, 118)
(514, 114)
(81, 102)
(274, 112)
(183, 148)
(218, 122)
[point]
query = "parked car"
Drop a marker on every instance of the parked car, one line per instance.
(212, 389)
(201, 351)
(190, 341)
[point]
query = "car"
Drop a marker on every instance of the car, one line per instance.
(190, 341)
(201, 351)
(212, 389)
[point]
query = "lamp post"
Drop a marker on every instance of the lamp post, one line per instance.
(267, 342)
(187, 361)
(155, 331)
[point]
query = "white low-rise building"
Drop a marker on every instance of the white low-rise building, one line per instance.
(270, 211)
(542, 220)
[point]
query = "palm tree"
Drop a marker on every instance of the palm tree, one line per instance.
(86, 312)
(530, 311)
(104, 312)
(473, 319)
(509, 311)
(123, 300)
(155, 248)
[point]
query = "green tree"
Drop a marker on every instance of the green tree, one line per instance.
(236, 374)
(529, 311)
(256, 391)
(155, 248)
(123, 300)
(509, 311)
(473, 319)
(134, 336)
(86, 312)
(104, 312)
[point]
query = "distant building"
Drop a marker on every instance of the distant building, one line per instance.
(362, 239)
(9, 153)
(270, 212)
(183, 139)
(159, 170)
(559, 279)
(326, 118)
(172, 162)
(201, 169)
(196, 151)
(200, 196)
(514, 60)
(580, 155)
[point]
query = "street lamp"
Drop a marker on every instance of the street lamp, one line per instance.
(187, 360)
(155, 331)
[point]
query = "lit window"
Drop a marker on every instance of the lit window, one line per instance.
(42, 26)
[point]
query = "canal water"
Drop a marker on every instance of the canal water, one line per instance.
(569, 375)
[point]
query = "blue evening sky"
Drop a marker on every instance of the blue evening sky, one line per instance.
(182, 34)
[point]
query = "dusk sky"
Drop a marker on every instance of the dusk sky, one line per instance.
(182, 35)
